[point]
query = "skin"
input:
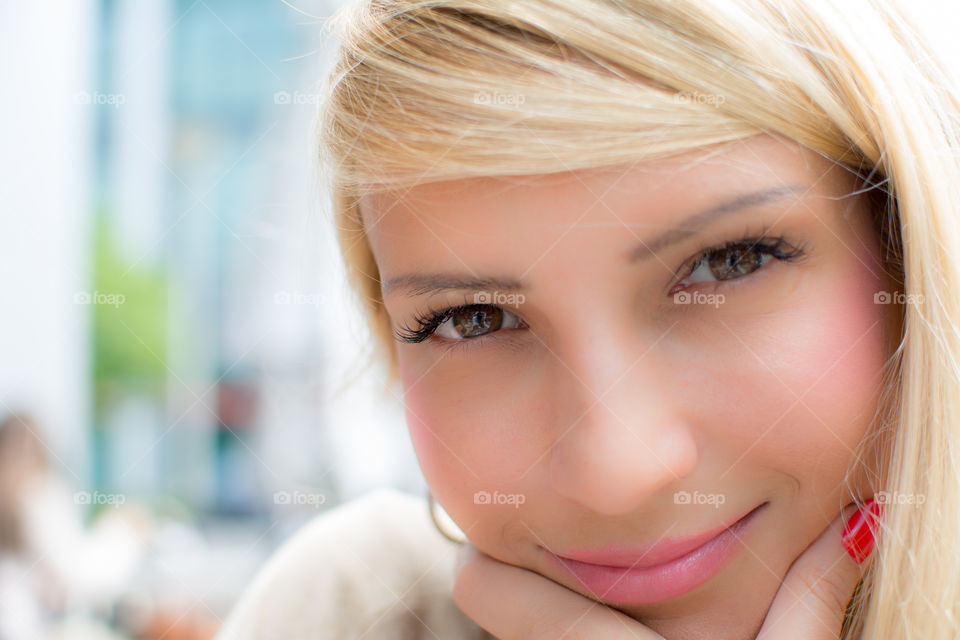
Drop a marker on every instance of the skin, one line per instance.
(809, 604)
(609, 396)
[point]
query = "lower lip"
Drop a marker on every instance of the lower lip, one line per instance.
(663, 581)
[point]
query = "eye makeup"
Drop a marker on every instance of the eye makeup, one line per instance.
(714, 258)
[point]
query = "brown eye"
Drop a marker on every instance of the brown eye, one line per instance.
(474, 321)
(734, 262)
(738, 259)
(461, 324)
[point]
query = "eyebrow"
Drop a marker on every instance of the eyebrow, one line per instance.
(418, 284)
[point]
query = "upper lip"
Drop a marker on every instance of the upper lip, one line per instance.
(642, 557)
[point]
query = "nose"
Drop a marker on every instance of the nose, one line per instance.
(619, 439)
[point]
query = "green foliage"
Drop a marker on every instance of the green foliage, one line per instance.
(129, 322)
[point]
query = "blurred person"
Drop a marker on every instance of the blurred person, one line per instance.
(27, 590)
(51, 566)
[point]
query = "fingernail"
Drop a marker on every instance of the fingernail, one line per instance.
(861, 530)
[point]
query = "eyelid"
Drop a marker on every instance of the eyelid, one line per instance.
(472, 308)
(430, 320)
(763, 239)
(464, 343)
(427, 323)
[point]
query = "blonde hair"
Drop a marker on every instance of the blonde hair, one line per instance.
(427, 90)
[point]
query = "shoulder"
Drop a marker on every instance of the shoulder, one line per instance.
(373, 567)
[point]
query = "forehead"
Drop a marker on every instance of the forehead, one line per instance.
(456, 223)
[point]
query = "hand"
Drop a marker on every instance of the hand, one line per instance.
(812, 599)
(519, 604)
(514, 603)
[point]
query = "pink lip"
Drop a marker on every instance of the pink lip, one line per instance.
(666, 570)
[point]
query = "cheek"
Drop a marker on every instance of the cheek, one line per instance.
(469, 432)
(808, 383)
(422, 423)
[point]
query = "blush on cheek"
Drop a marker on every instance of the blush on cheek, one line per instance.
(466, 442)
(830, 357)
(422, 427)
(849, 343)
(435, 441)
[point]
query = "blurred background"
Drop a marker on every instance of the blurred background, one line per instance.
(178, 337)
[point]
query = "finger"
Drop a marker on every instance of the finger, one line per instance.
(518, 604)
(813, 597)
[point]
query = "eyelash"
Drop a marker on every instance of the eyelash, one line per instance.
(775, 246)
(428, 322)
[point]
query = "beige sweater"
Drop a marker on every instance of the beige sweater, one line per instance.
(374, 568)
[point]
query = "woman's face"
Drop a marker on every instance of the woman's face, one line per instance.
(606, 391)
